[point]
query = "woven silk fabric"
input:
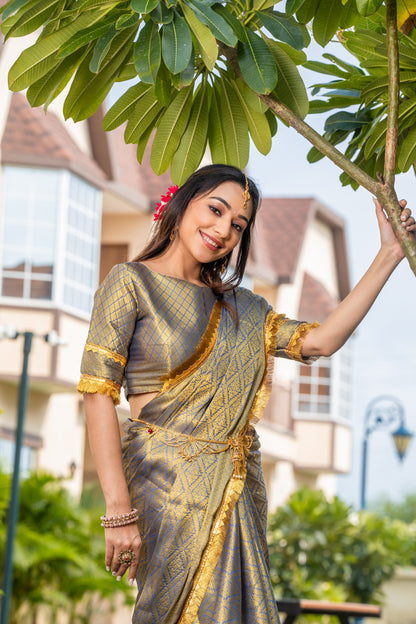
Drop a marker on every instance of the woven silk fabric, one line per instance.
(202, 522)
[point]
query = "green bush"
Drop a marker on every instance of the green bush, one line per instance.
(323, 549)
(58, 553)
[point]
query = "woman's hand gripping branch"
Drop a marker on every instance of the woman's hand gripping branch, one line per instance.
(339, 326)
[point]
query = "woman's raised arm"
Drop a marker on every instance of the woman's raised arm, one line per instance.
(338, 327)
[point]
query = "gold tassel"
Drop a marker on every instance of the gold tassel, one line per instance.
(100, 385)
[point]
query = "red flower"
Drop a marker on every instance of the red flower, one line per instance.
(164, 200)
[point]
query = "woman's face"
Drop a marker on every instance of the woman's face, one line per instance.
(213, 224)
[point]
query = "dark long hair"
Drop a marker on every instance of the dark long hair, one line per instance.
(200, 183)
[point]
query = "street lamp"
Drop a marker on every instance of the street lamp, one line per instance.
(53, 339)
(384, 412)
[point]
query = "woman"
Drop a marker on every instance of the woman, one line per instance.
(192, 351)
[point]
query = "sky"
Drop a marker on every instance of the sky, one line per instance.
(384, 347)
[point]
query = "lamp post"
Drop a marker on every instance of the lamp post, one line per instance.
(384, 412)
(53, 339)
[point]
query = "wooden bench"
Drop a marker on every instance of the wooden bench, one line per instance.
(345, 611)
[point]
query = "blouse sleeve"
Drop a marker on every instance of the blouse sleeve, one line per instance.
(284, 337)
(111, 329)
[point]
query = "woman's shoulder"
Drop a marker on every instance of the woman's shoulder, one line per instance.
(246, 297)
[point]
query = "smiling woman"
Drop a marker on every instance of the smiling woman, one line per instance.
(185, 495)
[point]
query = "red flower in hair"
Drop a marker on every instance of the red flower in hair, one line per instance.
(163, 201)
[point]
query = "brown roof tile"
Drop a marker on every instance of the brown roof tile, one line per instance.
(316, 303)
(32, 137)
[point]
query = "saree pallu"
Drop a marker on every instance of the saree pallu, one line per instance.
(203, 515)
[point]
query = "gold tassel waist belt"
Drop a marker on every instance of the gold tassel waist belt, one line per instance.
(190, 447)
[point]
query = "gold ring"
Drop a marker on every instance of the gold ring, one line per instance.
(126, 556)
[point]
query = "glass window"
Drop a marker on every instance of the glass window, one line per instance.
(49, 237)
(313, 388)
(27, 457)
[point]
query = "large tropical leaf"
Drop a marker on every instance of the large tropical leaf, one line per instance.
(368, 7)
(40, 58)
(326, 21)
(257, 123)
(407, 151)
(217, 24)
(216, 132)
(147, 52)
(123, 108)
(170, 130)
(36, 13)
(145, 112)
(257, 63)
(143, 6)
(176, 44)
(207, 43)
(290, 88)
(192, 146)
(283, 28)
(235, 125)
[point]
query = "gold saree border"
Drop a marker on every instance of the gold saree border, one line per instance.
(213, 550)
(202, 351)
(294, 347)
(232, 492)
(92, 384)
(103, 351)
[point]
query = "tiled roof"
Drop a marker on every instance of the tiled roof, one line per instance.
(280, 229)
(32, 137)
(316, 303)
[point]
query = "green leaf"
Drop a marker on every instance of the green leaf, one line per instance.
(207, 43)
(257, 123)
(368, 7)
(314, 155)
(86, 36)
(143, 6)
(35, 15)
(292, 6)
(161, 14)
(125, 105)
(216, 132)
(192, 146)
(176, 44)
(127, 73)
(283, 28)
(290, 88)
(326, 21)
(262, 4)
(257, 63)
(145, 112)
(171, 126)
(88, 90)
(11, 7)
(235, 125)
(377, 136)
(235, 24)
(351, 69)
(38, 59)
(297, 56)
(350, 15)
(101, 49)
(147, 52)
(143, 141)
(272, 121)
(253, 101)
(217, 25)
(407, 151)
(187, 76)
(47, 88)
(306, 11)
(344, 121)
(163, 85)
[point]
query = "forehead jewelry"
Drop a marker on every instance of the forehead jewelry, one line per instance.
(163, 201)
(246, 194)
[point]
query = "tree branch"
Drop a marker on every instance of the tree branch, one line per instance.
(393, 92)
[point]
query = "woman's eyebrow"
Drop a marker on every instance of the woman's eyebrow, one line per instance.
(227, 205)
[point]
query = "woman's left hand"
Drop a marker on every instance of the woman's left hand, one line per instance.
(387, 235)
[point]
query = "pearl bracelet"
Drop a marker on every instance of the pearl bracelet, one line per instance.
(111, 522)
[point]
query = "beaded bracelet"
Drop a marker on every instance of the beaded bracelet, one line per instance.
(111, 522)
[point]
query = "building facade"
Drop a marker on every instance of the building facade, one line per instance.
(74, 202)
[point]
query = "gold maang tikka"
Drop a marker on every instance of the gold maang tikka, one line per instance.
(246, 194)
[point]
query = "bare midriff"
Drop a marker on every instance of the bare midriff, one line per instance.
(138, 401)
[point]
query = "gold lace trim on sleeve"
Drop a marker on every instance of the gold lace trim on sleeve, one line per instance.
(92, 384)
(103, 351)
(273, 324)
(201, 353)
(294, 348)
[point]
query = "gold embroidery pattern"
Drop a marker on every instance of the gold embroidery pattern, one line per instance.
(190, 447)
(202, 351)
(294, 348)
(212, 552)
(89, 383)
(103, 351)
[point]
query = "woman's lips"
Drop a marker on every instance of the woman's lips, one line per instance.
(210, 242)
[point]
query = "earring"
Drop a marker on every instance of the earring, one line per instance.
(223, 266)
(172, 234)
